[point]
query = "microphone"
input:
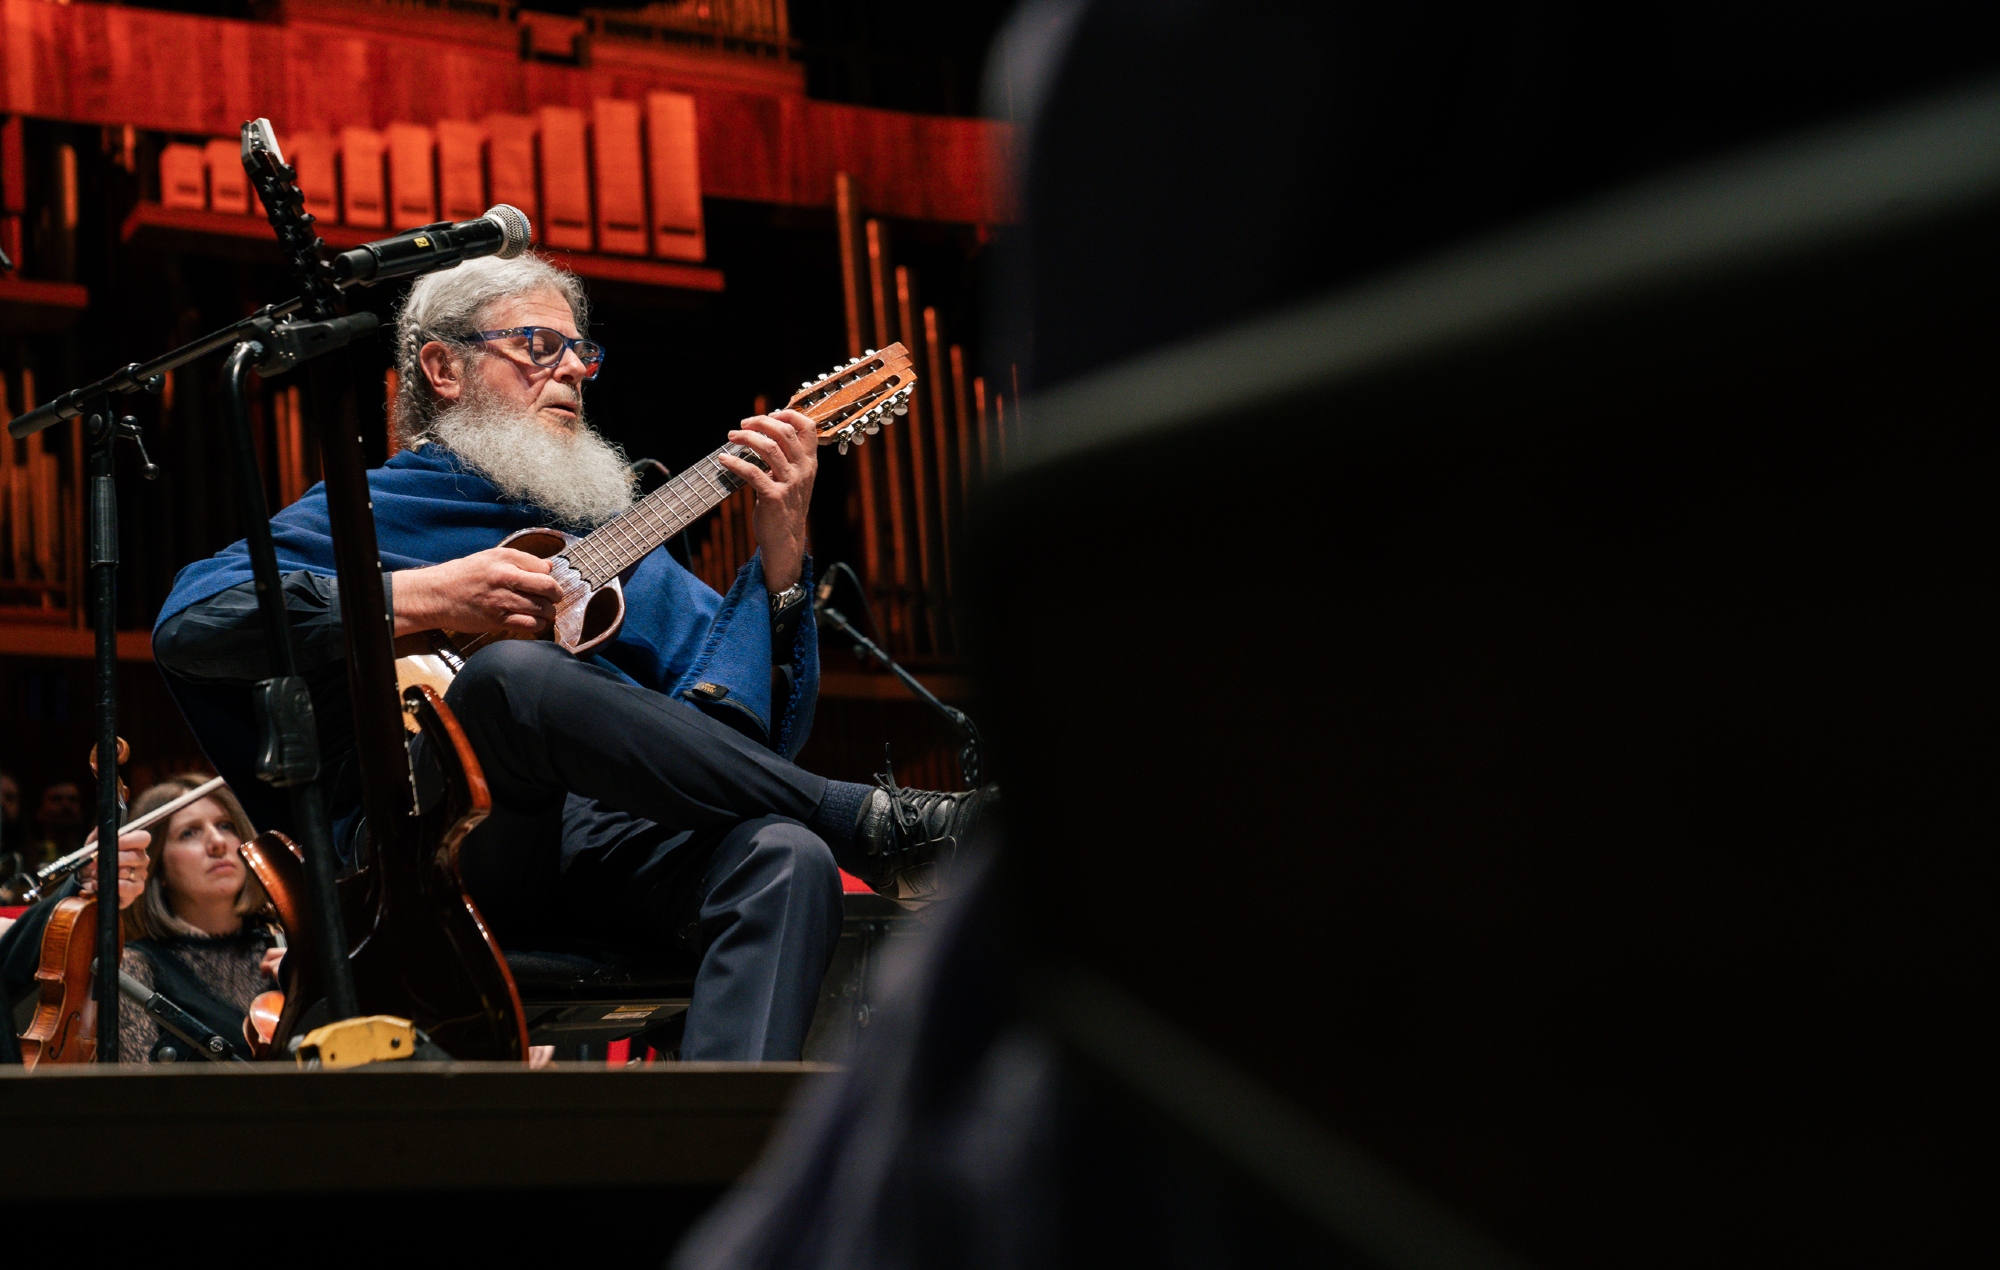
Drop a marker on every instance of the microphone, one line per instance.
(502, 232)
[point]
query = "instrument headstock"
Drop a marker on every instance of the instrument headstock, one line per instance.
(124, 757)
(850, 403)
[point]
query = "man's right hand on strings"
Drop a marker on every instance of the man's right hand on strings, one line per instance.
(499, 589)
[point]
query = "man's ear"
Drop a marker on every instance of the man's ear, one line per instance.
(444, 368)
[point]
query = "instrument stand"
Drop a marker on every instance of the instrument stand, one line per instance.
(101, 435)
(971, 764)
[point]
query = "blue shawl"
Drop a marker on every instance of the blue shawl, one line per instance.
(429, 508)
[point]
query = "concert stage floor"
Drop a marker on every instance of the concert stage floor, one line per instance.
(483, 1161)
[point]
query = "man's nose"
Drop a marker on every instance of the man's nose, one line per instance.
(571, 370)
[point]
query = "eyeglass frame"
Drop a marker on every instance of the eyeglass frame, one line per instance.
(591, 369)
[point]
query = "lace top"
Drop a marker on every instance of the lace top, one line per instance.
(228, 966)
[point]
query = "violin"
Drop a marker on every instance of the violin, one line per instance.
(261, 1023)
(64, 1026)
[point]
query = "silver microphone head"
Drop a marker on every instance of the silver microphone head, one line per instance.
(514, 229)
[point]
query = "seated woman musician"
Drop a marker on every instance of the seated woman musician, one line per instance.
(200, 933)
(21, 941)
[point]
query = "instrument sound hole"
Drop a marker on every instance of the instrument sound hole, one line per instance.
(600, 614)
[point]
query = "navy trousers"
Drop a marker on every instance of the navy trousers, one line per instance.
(629, 820)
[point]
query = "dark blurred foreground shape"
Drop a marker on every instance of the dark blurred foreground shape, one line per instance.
(1500, 761)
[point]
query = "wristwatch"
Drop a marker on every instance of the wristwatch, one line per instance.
(789, 596)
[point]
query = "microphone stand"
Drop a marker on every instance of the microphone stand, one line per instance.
(172, 1018)
(149, 376)
(970, 757)
(102, 431)
(288, 756)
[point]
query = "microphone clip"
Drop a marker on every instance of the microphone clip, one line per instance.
(289, 344)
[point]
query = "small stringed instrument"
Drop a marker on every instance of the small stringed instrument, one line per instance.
(261, 1023)
(847, 405)
(64, 1026)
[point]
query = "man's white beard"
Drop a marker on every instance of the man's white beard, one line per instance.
(580, 478)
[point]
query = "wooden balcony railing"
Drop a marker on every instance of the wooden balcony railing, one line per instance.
(758, 27)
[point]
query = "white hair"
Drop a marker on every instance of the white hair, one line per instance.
(450, 306)
(579, 477)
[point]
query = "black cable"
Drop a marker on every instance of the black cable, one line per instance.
(971, 763)
(868, 609)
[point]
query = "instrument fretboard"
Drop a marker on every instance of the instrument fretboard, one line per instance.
(623, 541)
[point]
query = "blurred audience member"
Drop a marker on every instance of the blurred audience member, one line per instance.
(12, 861)
(1342, 142)
(201, 934)
(59, 824)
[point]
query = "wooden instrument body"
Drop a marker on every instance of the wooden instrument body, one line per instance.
(64, 1026)
(260, 1024)
(416, 941)
(587, 618)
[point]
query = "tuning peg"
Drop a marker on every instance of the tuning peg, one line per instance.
(868, 352)
(873, 427)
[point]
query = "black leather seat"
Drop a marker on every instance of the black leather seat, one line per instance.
(588, 995)
(555, 977)
(577, 997)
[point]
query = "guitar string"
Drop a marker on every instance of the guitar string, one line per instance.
(619, 546)
(663, 513)
(613, 547)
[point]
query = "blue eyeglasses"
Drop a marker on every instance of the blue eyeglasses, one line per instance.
(546, 346)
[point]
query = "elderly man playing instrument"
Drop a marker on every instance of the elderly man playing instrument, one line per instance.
(643, 796)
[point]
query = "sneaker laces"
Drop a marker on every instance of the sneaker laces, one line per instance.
(907, 810)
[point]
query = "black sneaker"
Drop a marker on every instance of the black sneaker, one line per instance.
(910, 838)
